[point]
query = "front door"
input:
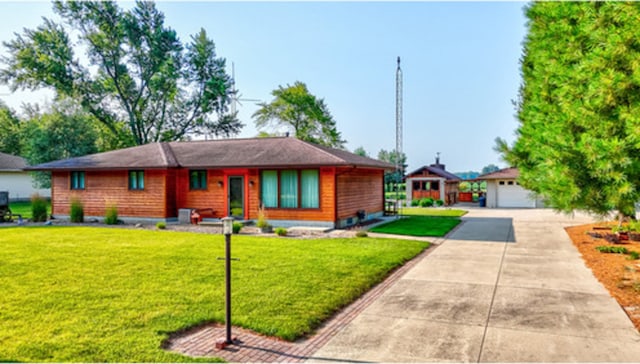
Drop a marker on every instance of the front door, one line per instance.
(236, 197)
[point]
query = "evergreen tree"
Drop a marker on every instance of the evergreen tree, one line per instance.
(578, 141)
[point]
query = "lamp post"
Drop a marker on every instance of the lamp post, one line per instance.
(227, 230)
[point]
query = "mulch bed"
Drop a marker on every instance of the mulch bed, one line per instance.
(619, 275)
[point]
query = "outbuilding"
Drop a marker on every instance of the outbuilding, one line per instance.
(504, 191)
(15, 180)
(434, 182)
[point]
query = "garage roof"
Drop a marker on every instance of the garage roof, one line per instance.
(505, 173)
(11, 163)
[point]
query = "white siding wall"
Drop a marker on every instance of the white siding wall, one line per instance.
(20, 185)
(492, 194)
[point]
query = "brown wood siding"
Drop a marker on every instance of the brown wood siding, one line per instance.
(111, 188)
(425, 194)
(359, 189)
(326, 212)
(253, 195)
(213, 197)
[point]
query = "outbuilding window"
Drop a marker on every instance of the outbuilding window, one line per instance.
(136, 180)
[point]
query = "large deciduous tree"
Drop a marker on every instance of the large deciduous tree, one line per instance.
(301, 113)
(139, 81)
(578, 141)
(10, 139)
(64, 131)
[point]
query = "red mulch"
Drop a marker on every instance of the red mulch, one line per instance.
(619, 275)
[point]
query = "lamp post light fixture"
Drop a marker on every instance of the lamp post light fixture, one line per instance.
(227, 230)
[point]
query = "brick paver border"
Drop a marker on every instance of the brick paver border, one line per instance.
(251, 347)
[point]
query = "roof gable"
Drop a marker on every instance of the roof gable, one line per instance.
(437, 171)
(10, 162)
(281, 152)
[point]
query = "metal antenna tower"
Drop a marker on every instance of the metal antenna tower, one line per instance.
(398, 130)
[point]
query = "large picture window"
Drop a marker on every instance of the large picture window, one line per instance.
(290, 189)
(77, 180)
(198, 180)
(309, 191)
(136, 180)
(269, 188)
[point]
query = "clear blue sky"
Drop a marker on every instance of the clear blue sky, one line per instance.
(460, 62)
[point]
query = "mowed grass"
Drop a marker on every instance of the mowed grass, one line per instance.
(24, 208)
(86, 294)
(426, 211)
(419, 226)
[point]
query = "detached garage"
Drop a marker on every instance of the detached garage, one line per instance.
(504, 191)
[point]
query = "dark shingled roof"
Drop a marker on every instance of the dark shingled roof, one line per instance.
(10, 162)
(224, 153)
(144, 156)
(437, 171)
(505, 173)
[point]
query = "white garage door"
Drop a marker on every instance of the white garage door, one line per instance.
(511, 194)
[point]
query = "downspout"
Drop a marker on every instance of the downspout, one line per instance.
(335, 197)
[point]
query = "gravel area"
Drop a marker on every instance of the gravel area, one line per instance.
(295, 232)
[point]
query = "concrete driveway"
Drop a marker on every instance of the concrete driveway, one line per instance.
(506, 286)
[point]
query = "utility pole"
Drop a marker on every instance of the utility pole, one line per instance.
(398, 132)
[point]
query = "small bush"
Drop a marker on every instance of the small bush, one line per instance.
(38, 208)
(633, 255)
(111, 216)
(77, 211)
(426, 202)
(361, 234)
(262, 219)
(280, 231)
(612, 249)
(415, 202)
(439, 203)
(161, 225)
(237, 226)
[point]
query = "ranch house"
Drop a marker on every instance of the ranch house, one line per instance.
(295, 182)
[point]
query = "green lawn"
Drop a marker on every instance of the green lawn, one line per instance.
(418, 226)
(113, 295)
(392, 195)
(24, 208)
(426, 211)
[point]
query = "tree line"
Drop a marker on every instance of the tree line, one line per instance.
(137, 83)
(141, 83)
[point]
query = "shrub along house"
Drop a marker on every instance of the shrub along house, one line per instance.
(296, 182)
(433, 182)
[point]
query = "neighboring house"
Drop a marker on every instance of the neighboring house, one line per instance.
(15, 180)
(295, 181)
(433, 181)
(503, 190)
